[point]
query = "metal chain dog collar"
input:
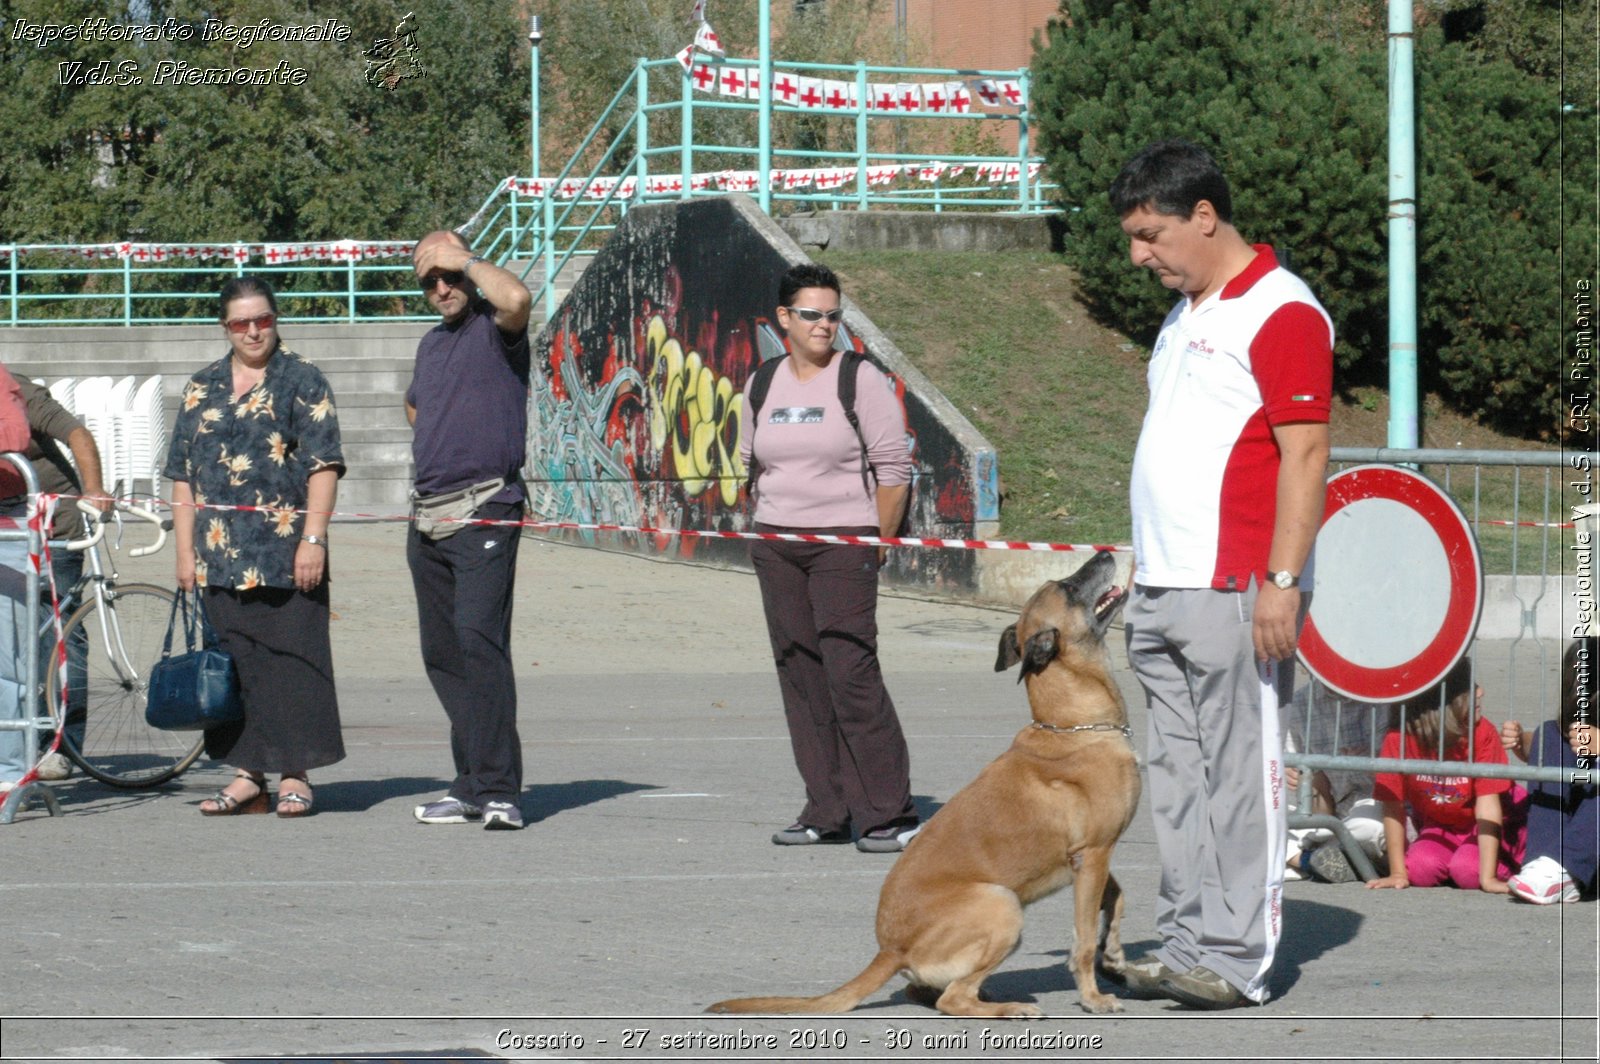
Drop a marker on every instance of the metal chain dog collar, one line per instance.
(1102, 726)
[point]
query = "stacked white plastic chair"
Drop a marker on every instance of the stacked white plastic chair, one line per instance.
(128, 424)
(91, 402)
(144, 436)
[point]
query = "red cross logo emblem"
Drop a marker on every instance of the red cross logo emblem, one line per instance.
(959, 102)
(1013, 93)
(703, 77)
(811, 97)
(908, 100)
(732, 82)
(785, 87)
(838, 100)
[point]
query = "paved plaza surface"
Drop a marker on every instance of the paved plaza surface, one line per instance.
(645, 887)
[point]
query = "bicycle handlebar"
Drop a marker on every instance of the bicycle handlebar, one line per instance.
(98, 522)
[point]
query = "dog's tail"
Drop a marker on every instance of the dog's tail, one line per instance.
(847, 997)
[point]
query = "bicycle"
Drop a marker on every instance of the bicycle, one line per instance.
(124, 625)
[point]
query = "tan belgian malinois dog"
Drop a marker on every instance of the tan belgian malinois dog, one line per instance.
(1046, 813)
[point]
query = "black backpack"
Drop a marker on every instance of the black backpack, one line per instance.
(847, 399)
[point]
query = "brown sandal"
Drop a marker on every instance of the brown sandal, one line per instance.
(224, 804)
(293, 804)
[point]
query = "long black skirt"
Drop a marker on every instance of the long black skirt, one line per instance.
(279, 641)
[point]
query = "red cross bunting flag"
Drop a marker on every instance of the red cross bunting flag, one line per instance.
(910, 96)
(838, 95)
(752, 84)
(685, 58)
(810, 93)
(1011, 92)
(730, 82)
(707, 41)
(960, 98)
(884, 97)
(987, 91)
(786, 88)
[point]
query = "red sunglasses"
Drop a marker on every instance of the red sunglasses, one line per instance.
(242, 325)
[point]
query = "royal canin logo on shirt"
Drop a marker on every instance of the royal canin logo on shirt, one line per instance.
(1201, 347)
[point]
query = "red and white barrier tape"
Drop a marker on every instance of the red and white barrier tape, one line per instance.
(688, 533)
(925, 542)
(1528, 524)
(41, 513)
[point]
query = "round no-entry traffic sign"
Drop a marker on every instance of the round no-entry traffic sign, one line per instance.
(1399, 586)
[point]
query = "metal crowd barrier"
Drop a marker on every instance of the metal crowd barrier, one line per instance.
(31, 718)
(1520, 507)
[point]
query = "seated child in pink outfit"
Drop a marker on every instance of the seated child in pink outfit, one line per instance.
(1469, 830)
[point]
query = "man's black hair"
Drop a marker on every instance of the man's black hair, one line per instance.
(242, 288)
(1171, 177)
(805, 275)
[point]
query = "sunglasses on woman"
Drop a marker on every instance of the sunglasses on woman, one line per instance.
(809, 314)
(242, 325)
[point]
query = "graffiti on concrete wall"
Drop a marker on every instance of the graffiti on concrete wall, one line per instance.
(638, 391)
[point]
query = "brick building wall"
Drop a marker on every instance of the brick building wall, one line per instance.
(980, 34)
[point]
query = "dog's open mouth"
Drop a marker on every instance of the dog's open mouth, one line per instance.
(1106, 604)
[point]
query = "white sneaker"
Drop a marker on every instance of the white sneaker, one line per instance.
(54, 767)
(1543, 881)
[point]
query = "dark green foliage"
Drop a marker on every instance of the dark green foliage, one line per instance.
(330, 158)
(1489, 317)
(1295, 109)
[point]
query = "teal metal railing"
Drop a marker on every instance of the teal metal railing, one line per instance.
(657, 140)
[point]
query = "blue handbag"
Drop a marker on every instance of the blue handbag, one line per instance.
(199, 688)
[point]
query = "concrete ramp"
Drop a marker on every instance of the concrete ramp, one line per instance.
(638, 390)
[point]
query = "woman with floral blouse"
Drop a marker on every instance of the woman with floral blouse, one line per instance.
(257, 429)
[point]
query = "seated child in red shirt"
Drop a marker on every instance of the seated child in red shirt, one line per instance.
(1469, 830)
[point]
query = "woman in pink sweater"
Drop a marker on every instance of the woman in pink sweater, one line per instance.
(821, 600)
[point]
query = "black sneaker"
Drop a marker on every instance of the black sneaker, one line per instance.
(448, 810)
(502, 816)
(891, 838)
(797, 834)
(1330, 863)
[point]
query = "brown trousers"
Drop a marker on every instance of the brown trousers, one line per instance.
(821, 603)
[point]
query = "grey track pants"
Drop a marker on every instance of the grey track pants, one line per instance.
(1215, 780)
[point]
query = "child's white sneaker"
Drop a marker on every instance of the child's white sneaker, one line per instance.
(1542, 881)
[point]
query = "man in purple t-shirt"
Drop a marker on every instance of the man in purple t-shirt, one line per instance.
(468, 404)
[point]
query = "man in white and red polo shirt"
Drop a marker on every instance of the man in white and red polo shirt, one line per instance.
(1227, 493)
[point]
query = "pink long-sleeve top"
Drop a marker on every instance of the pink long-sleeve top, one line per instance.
(810, 459)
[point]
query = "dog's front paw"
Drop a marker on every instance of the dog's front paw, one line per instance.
(1100, 1003)
(1016, 1010)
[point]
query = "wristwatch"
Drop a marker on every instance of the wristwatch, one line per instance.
(316, 541)
(1284, 579)
(471, 262)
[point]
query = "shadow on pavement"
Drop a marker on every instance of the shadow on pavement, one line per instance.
(541, 801)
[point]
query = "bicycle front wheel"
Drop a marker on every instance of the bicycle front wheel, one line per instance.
(123, 640)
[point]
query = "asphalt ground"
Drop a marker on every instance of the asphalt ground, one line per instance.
(645, 887)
